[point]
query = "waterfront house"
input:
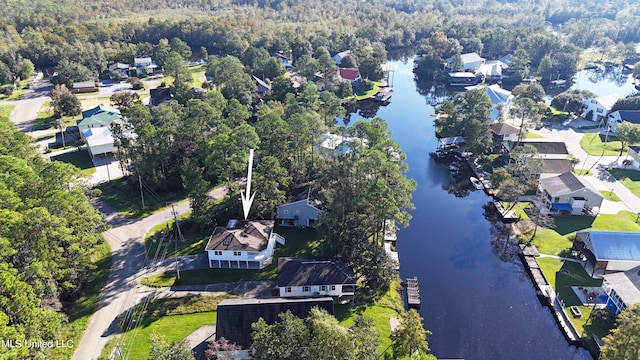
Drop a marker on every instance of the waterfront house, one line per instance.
(600, 107)
(616, 118)
(313, 277)
(568, 194)
(609, 251)
(555, 167)
(235, 316)
(500, 100)
(462, 79)
(335, 145)
(503, 134)
(352, 75)
(242, 245)
(492, 71)
(302, 208)
(470, 61)
(546, 149)
(622, 289)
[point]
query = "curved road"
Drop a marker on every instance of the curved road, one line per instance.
(123, 289)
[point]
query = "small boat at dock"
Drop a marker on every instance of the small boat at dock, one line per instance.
(476, 183)
(384, 94)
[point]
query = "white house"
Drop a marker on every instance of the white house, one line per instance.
(616, 118)
(334, 144)
(492, 71)
(609, 251)
(339, 56)
(145, 66)
(99, 142)
(600, 107)
(242, 245)
(470, 61)
(503, 134)
(95, 129)
(568, 194)
(622, 289)
(99, 116)
(302, 208)
(500, 99)
(315, 277)
(633, 154)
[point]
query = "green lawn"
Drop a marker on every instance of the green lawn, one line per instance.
(194, 240)
(5, 110)
(562, 275)
(555, 241)
(593, 144)
(47, 120)
(530, 135)
(79, 159)
(366, 94)
(629, 178)
(610, 195)
(299, 243)
(124, 195)
(80, 312)
(197, 72)
(381, 311)
(583, 172)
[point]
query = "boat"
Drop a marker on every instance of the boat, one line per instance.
(384, 94)
(476, 183)
(559, 82)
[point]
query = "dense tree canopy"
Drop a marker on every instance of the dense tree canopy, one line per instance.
(47, 233)
(624, 340)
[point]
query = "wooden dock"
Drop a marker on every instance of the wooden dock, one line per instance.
(413, 293)
(548, 296)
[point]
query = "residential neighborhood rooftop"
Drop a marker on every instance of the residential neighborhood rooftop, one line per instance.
(313, 271)
(547, 147)
(626, 284)
(565, 184)
(241, 236)
(614, 245)
(304, 193)
(503, 129)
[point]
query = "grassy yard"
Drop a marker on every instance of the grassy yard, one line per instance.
(555, 241)
(194, 241)
(124, 195)
(5, 110)
(387, 307)
(79, 159)
(299, 243)
(629, 178)
(363, 93)
(47, 120)
(583, 172)
(593, 144)
(530, 135)
(80, 312)
(562, 275)
(197, 74)
(610, 195)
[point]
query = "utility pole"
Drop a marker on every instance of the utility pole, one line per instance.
(141, 193)
(175, 219)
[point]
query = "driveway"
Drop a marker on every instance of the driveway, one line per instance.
(129, 261)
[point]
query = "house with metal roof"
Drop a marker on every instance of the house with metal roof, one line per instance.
(337, 57)
(352, 75)
(500, 100)
(235, 316)
(568, 194)
(616, 118)
(95, 129)
(609, 251)
(314, 277)
(242, 245)
(301, 209)
(622, 289)
(470, 61)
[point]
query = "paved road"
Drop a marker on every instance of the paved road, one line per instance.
(123, 289)
(26, 109)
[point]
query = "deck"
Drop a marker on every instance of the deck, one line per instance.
(413, 293)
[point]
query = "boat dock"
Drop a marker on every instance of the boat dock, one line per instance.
(413, 293)
(389, 240)
(547, 295)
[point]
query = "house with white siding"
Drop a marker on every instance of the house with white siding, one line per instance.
(568, 194)
(242, 245)
(600, 106)
(622, 289)
(316, 277)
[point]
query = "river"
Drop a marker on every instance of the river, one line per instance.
(476, 305)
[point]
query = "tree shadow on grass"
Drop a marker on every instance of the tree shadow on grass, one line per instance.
(79, 159)
(567, 225)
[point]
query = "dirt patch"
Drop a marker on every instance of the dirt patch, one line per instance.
(89, 103)
(523, 226)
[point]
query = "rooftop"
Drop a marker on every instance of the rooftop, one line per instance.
(313, 271)
(626, 284)
(547, 147)
(613, 245)
(304, 193)
(608, 100)
(556, 166)
(349, 73)
(566, 183)
(632, 116)
(241, 236)
(503, 129)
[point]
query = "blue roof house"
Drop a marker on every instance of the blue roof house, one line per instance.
(301, 209)
(609, 251)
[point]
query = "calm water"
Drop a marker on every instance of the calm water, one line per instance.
(477, 306)
(604, 81)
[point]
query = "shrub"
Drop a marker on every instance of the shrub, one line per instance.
(6, 90)
(136, 84)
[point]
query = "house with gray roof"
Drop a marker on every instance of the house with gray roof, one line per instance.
(302, 208)
(242, 245)
(568, 194)
(235, 316)
(622, 289)
(616, 118)
(546, 149)
(500, 100)
(314, 277)
(609, 251)
(470, 61)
